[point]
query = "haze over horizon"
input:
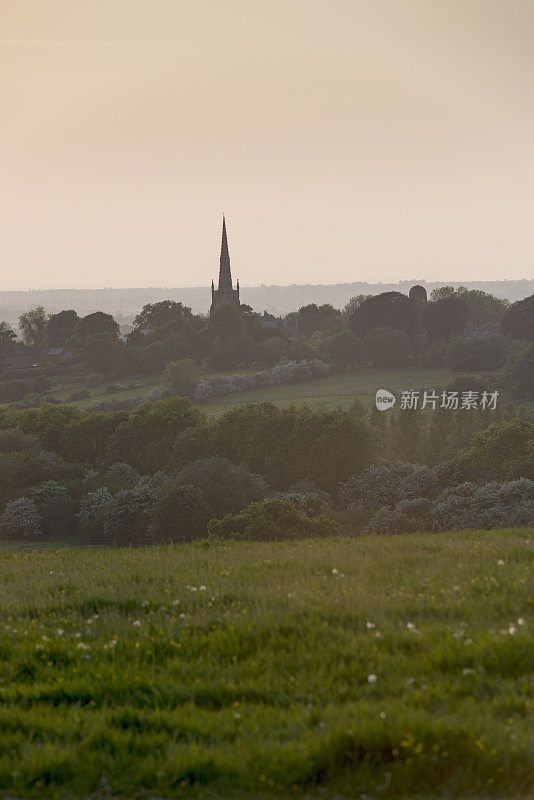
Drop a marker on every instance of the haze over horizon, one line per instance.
(345, 141)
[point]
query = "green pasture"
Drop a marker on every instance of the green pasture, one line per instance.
(378, 667)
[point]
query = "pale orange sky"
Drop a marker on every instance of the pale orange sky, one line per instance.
(344, 139)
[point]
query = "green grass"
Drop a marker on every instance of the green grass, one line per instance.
(335, 391)
(117, 679)
(339, 390)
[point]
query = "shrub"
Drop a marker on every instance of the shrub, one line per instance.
(270, 521)
(475, 354)
(21, 519)
(490, 505)
(16, 441)
(225, 487)
(182, 377)
(387, 347)
(94, 379)
(120, 471)
(180, 514)
(55, 508)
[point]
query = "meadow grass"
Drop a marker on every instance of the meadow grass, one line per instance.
(337, 390)
(340, 390)
(248, 669)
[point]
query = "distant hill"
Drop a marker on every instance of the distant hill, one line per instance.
(278, 300)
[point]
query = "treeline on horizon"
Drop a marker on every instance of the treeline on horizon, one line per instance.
(461, 329)
(277, 300)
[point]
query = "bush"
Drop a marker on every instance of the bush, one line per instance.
(475, 354)
(55, 508)
(387, 347)
(20, 519)
(491, 505)
(16, 441)
(180, 514)
(123, 518)
(121, 471)
(94, 379)
(270, 521)
(182, 377)
(225, 487)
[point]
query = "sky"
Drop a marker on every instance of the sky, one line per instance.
(345, 140)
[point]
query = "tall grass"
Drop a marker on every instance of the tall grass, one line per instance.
(384, 666)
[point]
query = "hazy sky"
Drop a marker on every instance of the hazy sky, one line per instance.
(344, 139)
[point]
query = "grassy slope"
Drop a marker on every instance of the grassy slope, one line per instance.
(339, 390)
(258, 685)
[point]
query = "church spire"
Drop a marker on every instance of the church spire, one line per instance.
(225, 275)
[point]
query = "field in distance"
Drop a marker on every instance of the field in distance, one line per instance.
(337, 390)
(397, 667)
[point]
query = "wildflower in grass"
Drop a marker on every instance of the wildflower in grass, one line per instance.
(192, 588)
(145, 603)
(176, 602)
(500, 562)
(202, 589)
(370, 625)
(372, 678)
(334, 571)
(83, 646)
(521, 621)
(411, 627)
(512, 629)
(60, 631)
(136, 623)
(468, 671)
(383, 715)
(182, 616)
(468, 641)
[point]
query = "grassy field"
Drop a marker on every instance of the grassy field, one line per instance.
(375, 667)
(339, 390)
(336, 391)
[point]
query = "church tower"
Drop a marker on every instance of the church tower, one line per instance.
(225, 293)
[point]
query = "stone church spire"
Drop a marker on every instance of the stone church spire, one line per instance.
(225, 293)
(225, 275)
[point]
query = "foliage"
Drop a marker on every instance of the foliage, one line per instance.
(498, 450)
(518, 320)
(490, 505)
(445, 317)
(289, 444)
(519, 374)
(387, 347)
(386, 310)
(181, 514)
(144, 438)
(156, 315)
(33, 326)
(225, 323)
(223, 486)
(20, 519)
(344, 348)
(182, 377)
(61, 327)
(15, 440)
(475, 354)
(123, 472)
(323, 318)
(270, 521)
(55, 508)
